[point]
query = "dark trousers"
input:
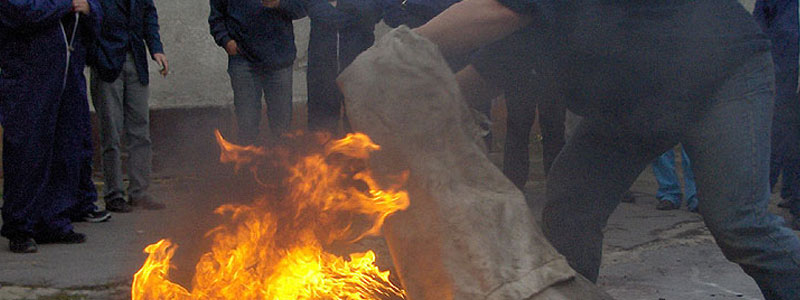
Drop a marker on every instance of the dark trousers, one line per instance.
(729, 143)
(522, 107)
(46, 154)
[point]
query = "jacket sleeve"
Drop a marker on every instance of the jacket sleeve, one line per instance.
(94, 21)
(21, 14)
(295, 9)
(321, 11)
(216, 22)
(151, 28)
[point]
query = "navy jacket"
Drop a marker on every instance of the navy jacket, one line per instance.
(121, 34)
(265, 36)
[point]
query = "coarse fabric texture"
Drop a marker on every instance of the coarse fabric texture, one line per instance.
(468, 233)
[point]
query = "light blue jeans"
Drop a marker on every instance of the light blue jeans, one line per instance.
(669, 186)
(249, 84)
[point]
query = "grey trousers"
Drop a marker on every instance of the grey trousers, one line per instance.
(123, 105)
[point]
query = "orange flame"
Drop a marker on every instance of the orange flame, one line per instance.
(274, 249)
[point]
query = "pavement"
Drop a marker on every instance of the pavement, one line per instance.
(649, 254)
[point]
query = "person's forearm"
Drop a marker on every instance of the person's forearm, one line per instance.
(470, 24)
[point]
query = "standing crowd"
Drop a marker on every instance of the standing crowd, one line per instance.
(645, 77)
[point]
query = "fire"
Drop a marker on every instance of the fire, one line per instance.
(275, 248)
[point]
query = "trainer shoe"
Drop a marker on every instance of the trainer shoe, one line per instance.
(22, 245)
(666, 205)
(118, 205)
(70, 237)
(96, 216)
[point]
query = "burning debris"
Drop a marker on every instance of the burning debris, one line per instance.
(275, 247)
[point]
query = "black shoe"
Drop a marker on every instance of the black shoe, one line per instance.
(147, 202)
(70, 237)
(666, 205)
(95, 217)
(118, 205)
(22, 245)
(628, 197)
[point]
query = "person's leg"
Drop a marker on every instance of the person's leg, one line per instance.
(669, 187)
(688, 180)
(136, 110)
(107, 98)
(277, 87)
(246, 99)
(729, 147)
(324, 106)
(28, 129)
(588, 178)
(68, 158)
(521, 109)
(86, 197)
(552, 122)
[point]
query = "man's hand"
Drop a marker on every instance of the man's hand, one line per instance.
(271, 3)
(161, 59)
(81, 6)
(232, 48)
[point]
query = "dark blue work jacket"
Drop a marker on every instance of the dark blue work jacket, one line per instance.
(128, 25)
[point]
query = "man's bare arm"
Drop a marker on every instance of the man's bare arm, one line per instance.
(470, 24)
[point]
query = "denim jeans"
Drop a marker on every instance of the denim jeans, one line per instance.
(249, 84)
(669, 186)
(728, 140)
(123, 108)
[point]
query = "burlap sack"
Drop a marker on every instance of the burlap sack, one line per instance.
(468, 233)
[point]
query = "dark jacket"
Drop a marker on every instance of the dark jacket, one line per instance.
(265, 36)
(121, 33)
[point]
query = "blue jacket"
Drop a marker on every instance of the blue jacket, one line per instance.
(265, 36)
(413, 13)
(33, 44)
(121, 34)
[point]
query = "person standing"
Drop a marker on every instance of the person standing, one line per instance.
(259, 39)
(340, 31)
(45, 117)
(779, 20)
(120, 95)
(669, 186)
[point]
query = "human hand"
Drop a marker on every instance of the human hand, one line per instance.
(161, 59)
(232, 48)
(81, 6)
(271, 3)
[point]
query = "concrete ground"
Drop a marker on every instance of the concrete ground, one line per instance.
(649, 254)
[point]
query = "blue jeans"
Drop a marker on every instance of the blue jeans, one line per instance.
(669, 187)
(729, 142)
(249, 84)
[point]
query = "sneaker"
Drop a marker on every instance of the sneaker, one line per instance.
(69, 237)
(118, 205)
(96, 216)
(147, 202)
(22, 245)
(666, 205)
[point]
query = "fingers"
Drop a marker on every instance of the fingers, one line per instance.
(81, 6)
(270, 3)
